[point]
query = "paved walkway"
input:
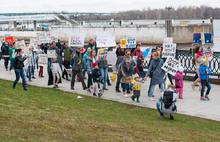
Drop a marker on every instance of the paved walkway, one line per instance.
(190, 105)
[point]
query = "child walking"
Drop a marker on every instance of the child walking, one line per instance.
(136, 88)
(204, 72)
(179, 82)
(96, 74)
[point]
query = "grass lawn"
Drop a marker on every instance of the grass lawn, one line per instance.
(48, 115)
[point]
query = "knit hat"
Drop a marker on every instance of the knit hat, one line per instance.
(94, 64)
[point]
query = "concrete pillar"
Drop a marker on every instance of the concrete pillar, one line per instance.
(169, 28)
(35, 25)
(212, 26)
(15, 25)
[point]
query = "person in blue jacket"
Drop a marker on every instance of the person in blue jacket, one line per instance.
(204, 72)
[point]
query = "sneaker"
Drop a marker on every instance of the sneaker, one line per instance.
(33, 77)
(180, 97)
(203, 99)
(72, 88)
(105, 89)
(207, 98)
(118, 91)
(94, 94)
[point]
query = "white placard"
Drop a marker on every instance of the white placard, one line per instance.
(76, 40)
(43, 59)
(44, 37)
(169, 50)
(171, 66)
(105, 41)
(51, 54)
(20, 44)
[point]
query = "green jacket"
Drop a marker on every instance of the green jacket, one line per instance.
(12, 53)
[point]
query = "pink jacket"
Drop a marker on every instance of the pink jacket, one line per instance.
(178, 80)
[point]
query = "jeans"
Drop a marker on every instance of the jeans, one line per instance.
(205, 83)
(89, 81)
(125, 87)
(158, 105)
(104, 72)
(29, 73)
(11, 64)
(80, 75)
(152, 88)
(6, 62)
(19, 73)
(118, 82)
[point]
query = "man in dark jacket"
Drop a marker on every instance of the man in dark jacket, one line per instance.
(5, 54)
(77, 69)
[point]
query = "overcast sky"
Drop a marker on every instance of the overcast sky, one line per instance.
(96, 5)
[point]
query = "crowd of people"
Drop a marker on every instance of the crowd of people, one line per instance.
(90, 64)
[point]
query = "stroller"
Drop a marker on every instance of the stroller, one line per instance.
(166, 104)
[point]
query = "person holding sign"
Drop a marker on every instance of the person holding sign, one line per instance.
(12, 55)
(156, 74)
(92, 46)
(5, 54)
(77, 68)
(19, 71)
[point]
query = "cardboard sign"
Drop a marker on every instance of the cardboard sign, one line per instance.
(131, 42)
(44, 37)
(76, 40)
(20, 44)
(51, 54)
(171, 66)
(169, 50)
(105, 41)
(9, 39)
(42, 59)
(123, 43)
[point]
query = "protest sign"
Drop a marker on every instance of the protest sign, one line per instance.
(42, 59)
(169, 50)
(44, 37)
(51, 54)
(20, 44)
(76, 40)
(123, 43)
(207, 51)
(171, 66)
(9, 39)
(131, 42)
(105, 41)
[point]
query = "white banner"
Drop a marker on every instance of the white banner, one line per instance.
(169, 50)
(51, 54)
(42, 59)
(171, 66)
(44, 37)
(76, 40)
(105, 41)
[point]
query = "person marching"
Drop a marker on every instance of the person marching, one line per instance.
(96, 76)
(77, 68)
(136, 88)
(19, 71)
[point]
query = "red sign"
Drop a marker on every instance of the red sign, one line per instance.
(9, 39)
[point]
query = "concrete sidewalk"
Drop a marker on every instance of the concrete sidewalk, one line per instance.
(190, 105)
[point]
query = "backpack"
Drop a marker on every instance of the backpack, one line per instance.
(167, 99)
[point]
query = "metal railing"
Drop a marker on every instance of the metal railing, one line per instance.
(186, 59)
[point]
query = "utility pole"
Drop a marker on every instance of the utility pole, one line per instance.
(168, 22)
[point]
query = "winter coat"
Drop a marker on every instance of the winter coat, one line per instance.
(178, 80)
(204, 72)
(157, 73)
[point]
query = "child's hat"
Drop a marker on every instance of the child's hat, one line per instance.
(94, 64)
